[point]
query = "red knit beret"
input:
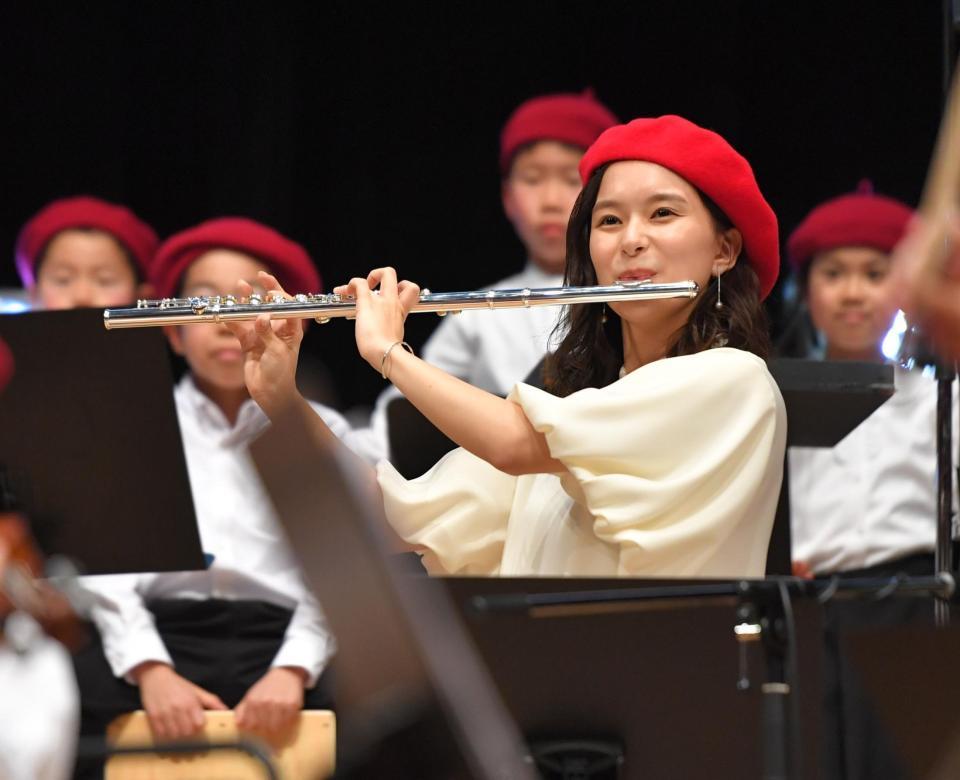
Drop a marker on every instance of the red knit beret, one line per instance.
(575, 119)
(285, 259)
(6, 364)
(711, 165)
(861, 218)
(83, 212)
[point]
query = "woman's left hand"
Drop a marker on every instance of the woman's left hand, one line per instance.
(380, 317)
(271, 349)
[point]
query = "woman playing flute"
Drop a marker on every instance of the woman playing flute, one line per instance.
(659, 449)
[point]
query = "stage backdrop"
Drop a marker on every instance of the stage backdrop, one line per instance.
(368, 131)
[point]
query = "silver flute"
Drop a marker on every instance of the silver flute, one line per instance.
(323, 307)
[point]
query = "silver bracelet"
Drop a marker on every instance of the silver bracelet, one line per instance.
(386, 354)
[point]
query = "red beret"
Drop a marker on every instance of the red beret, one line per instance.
(711, 165)
(6, 364)
(285, 259)
(83, 212)
(575, 119)
(862, 218)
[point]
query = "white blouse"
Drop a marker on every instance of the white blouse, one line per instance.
(672, 471)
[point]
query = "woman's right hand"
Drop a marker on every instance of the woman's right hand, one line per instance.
(271, 349)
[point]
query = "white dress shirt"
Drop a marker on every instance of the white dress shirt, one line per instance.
(238, 528)
(39, 708)
(871, 498)
(493, 350)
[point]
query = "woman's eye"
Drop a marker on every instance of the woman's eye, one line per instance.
(608, 219)
(662, 212)
(876, 276)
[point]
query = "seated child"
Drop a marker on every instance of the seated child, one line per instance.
(245, 633)
(83, 251)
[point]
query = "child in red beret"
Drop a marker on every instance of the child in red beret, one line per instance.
(866, 507)
(841, 253)
(540, 147)
(659, 451)
(245, 633)
(841, 256)
(84, 251)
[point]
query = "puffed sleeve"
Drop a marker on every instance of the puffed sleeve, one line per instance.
(679, 462)
(455, 515)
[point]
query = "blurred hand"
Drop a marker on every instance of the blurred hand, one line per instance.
(380, 318)
(271, 349)
(927, 265)
(174, 705)
(273, 701)
(802, 569)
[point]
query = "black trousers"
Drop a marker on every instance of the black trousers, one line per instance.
(222, 646)
(856, 745)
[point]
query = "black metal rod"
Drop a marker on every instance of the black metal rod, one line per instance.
(943, 551)
(95, 747)
(939, 585)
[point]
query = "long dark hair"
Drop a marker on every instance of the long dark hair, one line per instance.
(591, 352)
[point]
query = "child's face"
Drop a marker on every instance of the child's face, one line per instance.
(84, 268)
(649, 223)
(850, 297)
(538, 197)
(213, 352)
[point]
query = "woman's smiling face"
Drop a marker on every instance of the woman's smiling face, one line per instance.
(648, 223)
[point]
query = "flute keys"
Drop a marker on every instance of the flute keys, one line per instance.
(255, 299)
(198, 305)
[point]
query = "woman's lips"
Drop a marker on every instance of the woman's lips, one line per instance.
(639, 275)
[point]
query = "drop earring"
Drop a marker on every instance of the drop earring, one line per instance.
(719, 303)
(603, 315)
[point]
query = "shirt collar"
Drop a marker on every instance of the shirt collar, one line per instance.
(251, 420)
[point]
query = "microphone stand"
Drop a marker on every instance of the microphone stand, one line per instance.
(943, 554)
(915, 353)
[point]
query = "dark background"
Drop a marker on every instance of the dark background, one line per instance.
(369, 131)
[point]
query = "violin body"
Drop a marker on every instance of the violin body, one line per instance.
(23, 590)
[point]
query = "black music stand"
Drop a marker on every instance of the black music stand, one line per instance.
(416, 444)
(825, 401)
(661, 679)
(91, 447)
(910, 675)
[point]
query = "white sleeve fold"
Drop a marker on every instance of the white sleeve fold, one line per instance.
(307, 642)
(455, 515)
(126, 626)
